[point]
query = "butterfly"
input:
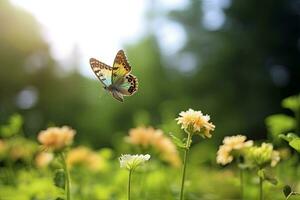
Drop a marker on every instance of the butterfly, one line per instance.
(116, 79)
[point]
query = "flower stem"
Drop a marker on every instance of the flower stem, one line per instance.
(187, 148)
(261, 188)
(67, 175)
(242, 183)
(297, 116)
(129, 181)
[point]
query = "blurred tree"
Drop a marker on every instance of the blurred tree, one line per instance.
(22, 52)
(244, 67)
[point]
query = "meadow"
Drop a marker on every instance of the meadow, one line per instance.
(205, 104)
(50, 167)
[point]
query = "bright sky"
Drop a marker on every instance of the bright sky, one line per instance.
(99, 28)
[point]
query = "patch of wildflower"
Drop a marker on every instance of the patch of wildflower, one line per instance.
(262, 155)
(155, 138)
(83, 156)
(232, 145)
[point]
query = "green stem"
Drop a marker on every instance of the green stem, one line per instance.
(129, 181)
(188, 142)
(291, 194)
(67, 175)
(297, 115)
(261, 189)
(242, 183)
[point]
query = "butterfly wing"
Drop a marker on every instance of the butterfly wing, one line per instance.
(117, 95)
(129, 85)
(102, 71)
(121, 67)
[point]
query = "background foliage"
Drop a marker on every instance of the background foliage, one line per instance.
(242, 71)
(238, 73)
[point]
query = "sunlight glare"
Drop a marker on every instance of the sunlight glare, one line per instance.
(97, 28)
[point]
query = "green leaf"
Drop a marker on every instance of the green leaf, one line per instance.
(59, 198)
(279, 124)
(295, 143)
(13, 127)
(177, 141)
(292, 103)
(289, 137)
(59, 179)
(293, 139)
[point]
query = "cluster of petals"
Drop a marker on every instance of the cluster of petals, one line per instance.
(230, 143)
(195, 122)
(56, 138)
(131, 162)
(83, 156)
(147, 137)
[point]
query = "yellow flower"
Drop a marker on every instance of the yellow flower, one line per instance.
(162, 143)
(43, 159)
(166, 148)
(195, 121)
(19, 148)
(262, 155)
(231, 143)
(56, 138)
(275, 158)
(150, 137)
(84, 157)
(223, 155)
(237, 142)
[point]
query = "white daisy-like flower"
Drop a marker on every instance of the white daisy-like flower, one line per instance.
(131, 162)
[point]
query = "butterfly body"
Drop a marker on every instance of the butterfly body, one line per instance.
(117, 79)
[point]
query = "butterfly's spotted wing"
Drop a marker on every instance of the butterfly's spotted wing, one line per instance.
(103, 71)
(129, 86)
(121, 67)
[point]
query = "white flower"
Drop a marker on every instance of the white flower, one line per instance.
(131, 162)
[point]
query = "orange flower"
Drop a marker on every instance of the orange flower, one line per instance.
(231, 143)
(141, 136)
(43, 159)
(150, 137)
(85, 157)
(56, 138)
